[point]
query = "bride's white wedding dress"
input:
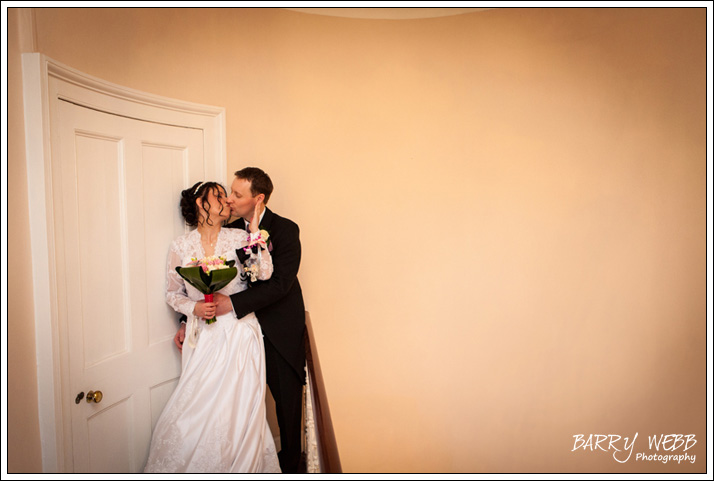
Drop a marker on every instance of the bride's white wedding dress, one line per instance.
(215, 420)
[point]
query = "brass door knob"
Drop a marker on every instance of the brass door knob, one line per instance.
(95, 396)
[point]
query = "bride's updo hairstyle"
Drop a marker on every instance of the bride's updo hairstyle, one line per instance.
(200, 190)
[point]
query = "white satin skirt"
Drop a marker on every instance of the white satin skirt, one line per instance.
(215, 421)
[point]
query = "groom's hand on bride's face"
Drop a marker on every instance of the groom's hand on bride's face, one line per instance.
(223, 304)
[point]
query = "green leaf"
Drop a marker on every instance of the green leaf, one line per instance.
(208, 283)
(193, 277)
(221, 277)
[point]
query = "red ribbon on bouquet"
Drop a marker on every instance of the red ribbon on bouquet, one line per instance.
(209, 298)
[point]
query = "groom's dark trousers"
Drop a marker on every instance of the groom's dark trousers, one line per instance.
(280, 309)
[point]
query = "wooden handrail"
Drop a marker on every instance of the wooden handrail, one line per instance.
(329, 455)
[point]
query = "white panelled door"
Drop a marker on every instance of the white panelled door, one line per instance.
(116, 189)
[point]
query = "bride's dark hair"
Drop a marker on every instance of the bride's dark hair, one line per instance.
(189, 209)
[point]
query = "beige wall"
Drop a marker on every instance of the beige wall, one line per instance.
(23, 447)
(503, 215)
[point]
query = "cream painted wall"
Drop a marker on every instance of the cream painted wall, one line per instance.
(24, 452)
(503, 214)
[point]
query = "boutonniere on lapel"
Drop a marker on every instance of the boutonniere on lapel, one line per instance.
(266, 237)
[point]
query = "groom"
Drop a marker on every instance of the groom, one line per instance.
(279, 306)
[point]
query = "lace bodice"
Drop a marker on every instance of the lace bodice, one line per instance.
(180, 295)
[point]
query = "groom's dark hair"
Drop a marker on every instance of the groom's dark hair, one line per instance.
(260, 183)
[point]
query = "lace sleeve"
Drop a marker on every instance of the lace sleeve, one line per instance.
(266, 264)
(176, 295)
(264, 261)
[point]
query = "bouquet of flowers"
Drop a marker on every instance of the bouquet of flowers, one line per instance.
(208, 275)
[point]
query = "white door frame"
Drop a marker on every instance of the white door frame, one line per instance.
(41, 97)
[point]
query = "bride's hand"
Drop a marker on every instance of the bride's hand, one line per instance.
(255, 221)
(180, 336)
(206, 310)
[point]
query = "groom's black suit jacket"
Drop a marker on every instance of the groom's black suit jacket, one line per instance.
(278, 302)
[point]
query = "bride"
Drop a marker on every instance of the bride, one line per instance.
(215, 420)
